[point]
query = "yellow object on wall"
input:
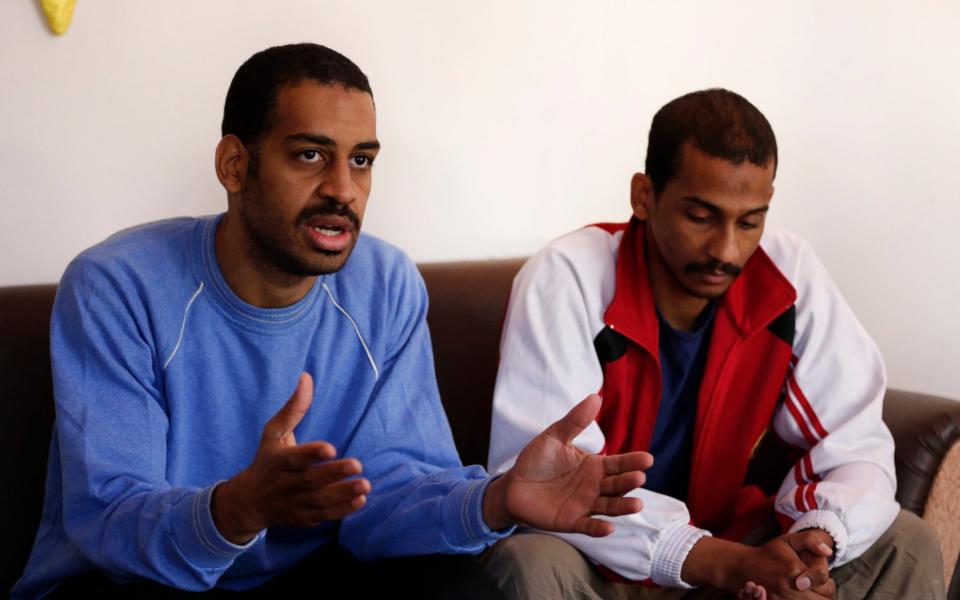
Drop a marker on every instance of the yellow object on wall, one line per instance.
(59, 13)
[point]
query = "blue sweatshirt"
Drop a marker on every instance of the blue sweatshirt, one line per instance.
(164, 378)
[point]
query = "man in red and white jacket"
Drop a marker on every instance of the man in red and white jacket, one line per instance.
(716, 346)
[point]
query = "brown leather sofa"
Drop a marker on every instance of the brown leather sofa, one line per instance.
(467, 306)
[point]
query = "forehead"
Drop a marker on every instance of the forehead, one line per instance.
(720, 181)
(345, 115)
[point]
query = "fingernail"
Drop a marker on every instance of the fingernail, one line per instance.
(825, 549)
(803, 583)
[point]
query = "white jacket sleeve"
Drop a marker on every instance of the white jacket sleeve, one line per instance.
(547, 365)
(845, 482)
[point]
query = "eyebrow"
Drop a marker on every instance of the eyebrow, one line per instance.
(716, 209)
(322, 140)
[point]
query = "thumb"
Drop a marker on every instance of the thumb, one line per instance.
(579, 418)
(815, 575)
(288, 417)
(802, 541)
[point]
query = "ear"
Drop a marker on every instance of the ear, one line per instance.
(641, 195)
(232, 159)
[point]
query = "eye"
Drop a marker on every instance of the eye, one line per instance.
(752, 221)
(362, 161)
(309, 156)
(698, 219)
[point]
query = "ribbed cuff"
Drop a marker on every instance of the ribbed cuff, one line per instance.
(206, 547)
(671, 551)
(829, 522)
(462, 512)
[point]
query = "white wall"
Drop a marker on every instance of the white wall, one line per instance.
(506, 123)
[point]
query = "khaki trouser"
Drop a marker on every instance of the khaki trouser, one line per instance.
(904, 564)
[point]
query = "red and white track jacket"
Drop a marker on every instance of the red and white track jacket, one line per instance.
(788, 361)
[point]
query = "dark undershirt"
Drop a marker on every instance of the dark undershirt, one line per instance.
(683, 355)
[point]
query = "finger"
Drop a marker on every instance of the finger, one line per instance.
(337, 493)
(325, 474)
(297, 458)
(755, 594)
(810, 540)
(616, 506)
(815, 575)
(618, 485)
(333, 513)
(579, 418)
(827, 590)
(810, 579)
(288, 417)
(752, 591)
(593, 527)
(623, 463)
(811, 544)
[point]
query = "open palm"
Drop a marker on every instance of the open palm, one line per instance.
(556, 486)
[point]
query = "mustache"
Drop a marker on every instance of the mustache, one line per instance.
(329, 207)
(713, 266)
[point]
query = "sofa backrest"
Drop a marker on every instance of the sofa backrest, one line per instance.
(468, 301)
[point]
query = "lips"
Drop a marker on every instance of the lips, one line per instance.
(328, 233)
(714, 277)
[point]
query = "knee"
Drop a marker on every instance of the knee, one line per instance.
(533, 565)
(904, 563)
(909, 552)
(531, 553)
(915, 538)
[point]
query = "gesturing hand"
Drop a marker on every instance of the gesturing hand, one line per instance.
(556, 486)
(288, 483)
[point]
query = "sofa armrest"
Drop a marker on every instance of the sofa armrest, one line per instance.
(926, 430)
(26, 421)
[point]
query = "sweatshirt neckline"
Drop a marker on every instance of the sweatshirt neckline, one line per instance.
(247, 314)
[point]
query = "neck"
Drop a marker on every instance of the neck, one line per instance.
(251, 278)
(677, 306)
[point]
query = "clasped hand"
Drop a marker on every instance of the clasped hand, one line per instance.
(793, 565)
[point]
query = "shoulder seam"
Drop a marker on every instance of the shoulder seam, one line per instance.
(373, 364)
(183, 325)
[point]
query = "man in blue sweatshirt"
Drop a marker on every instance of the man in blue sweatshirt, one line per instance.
(235, 397)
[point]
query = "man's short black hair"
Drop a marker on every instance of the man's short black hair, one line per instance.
(248, 110)
(718, 122)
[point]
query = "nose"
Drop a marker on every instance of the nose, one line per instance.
(723, 245)
(337, 183)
